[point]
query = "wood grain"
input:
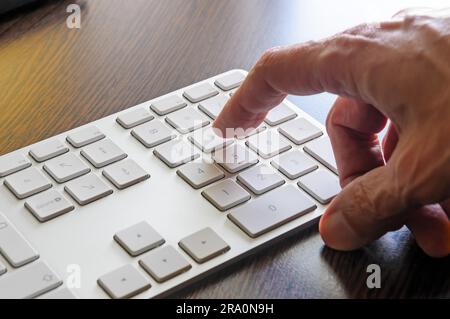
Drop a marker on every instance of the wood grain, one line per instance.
(53, 79)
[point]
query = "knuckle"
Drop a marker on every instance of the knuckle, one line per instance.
(267, 57)
(363, 29)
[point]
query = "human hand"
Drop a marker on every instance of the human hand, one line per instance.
(397, 70)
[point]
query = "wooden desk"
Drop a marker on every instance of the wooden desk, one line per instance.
(53, 79)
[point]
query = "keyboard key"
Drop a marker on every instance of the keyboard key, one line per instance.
(87, 189)
(280, 114)
(271, 210)
(322, 185)
(2, 269)
(139, 238)
(48, 205)
(204, 245)
(153, 134)
(27, 183)
(164, 263)
(12, 163)
(29, 282)
(294, 164)
(268, 144)
(200, 92)
(103, 153)
(200, 174)
(125, 174)
(241, 134)
(134, 118)
(300, 131)
(235, 158)
(187, 120)
(226, 195)
(124, 282)
(230, 81)
(168, 104)
(60, 294)
(212, 107)
(260, 179)
(47, 150)
(85, 136)
(322, 151)
(65, 168)
(176, 153)
(13, 246)
(208, 141)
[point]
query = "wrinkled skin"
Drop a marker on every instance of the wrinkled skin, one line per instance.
(396, 70)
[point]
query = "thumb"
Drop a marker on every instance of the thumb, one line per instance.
(367, 208)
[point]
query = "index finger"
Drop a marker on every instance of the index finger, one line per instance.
(333, 65)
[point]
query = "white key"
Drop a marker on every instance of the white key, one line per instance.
(13, 246)
(212, 107)
(168, 104)
(268, 144)
(2, 269)
(176, 153)
(243, 134)
(153, 134)
(294, 164)
(125, 174)
(200, 92)
(87, 189)
(139, 238)
(12, 163)
(260, 179)
(204, 245)
(134, 118)
(103, 153)
(271, 210)
(48, 205)
(164, 263)
(47, 150)
(322, 185)
(300, 131)
(85, 136)
(235, 158)
(207, 140)
(29, 282)
(66, 168)
(59, 294)
(200, 174)
(226, 195)
(322, 151)
(124, 282)
(280, 114)
(230, 81)
(27, 183)
(187, 120)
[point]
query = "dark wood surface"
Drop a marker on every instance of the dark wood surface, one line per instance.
(128, 51)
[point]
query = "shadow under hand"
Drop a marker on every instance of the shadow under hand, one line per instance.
(406, 272)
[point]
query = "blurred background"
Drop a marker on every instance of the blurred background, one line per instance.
(130, 51)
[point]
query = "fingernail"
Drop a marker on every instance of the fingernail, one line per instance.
(337, 233)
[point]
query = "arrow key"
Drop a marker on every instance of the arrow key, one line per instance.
(87, 189)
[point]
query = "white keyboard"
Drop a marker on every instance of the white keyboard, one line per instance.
(148, 200)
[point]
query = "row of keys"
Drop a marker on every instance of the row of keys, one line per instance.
(86, 189)
(162, 263)
(320, 184)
